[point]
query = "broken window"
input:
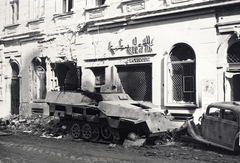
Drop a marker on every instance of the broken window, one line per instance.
(181, 75)
(99, 73)
(67, 75)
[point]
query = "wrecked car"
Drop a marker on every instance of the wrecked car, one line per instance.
(109, 114)
(220, 126)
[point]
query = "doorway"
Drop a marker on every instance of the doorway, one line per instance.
(233, 71)
(15, 89)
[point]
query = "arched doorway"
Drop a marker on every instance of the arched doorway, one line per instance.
(181, 77)
(15, 90)
(233, 73)
(38, 75)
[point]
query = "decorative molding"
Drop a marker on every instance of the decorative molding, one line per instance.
(63, 15)
(96, 12)
(131, 5)
(96, 8)
(34, 24)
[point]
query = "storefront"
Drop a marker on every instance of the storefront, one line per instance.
(155, 62)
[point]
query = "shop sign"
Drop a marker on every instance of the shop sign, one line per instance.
(136, 47)
(138, 59)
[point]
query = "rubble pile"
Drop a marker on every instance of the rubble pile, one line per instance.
(52, 127)
(47, 126)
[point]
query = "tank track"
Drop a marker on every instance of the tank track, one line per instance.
(92, 132)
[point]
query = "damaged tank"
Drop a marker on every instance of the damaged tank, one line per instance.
(106, 115)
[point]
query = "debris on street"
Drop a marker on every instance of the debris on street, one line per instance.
(53, 127)
(45, 126)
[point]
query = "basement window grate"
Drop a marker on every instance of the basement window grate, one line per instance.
(37, 111)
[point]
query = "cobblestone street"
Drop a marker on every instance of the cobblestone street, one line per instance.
(25, 148)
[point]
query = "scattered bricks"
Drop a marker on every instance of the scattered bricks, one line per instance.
(22, 121)
(150, 154)
(52, 153)
(10, 145)
(59, 154)
(46, 151)
(73, 157)
(79, 158)
(35, 149)
(25, 148)
(40, 151)
(137, 142)
(30, 148)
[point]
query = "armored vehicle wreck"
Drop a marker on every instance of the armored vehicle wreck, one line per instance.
(108, 115)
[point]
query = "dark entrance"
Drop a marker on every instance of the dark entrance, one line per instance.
(137, 81)
(236, 87)
(15, 89)
(233, 60)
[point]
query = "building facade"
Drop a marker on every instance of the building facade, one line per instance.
(178, 54)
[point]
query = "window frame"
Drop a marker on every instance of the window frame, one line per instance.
(169, 101)
(229, 120)
(67, 6)
(36, 9)
(14, 11)
(95, 3)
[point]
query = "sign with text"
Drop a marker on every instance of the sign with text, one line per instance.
(136, 47)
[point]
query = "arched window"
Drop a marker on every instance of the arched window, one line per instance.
(181, 75)
(233, 70)
(233, 52)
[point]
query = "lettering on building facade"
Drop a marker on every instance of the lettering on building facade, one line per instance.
(136, 48)
(138, 59)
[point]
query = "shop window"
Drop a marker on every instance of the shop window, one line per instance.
(234, 53)
(181, 76)
(36, 9)
(233, 69)
(137, 81)
(14, 14)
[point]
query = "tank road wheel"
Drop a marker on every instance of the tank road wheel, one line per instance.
(106, 131)
(75, 131)
(87, 131)
(95, 133)
(116, 135)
